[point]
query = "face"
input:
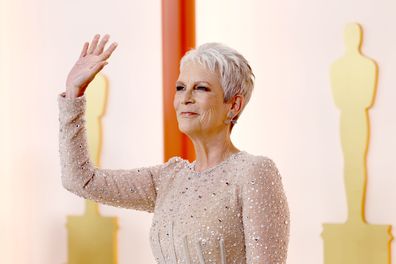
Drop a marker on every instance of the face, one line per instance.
(199, 101)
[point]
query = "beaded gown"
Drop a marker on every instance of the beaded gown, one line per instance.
(235, 212)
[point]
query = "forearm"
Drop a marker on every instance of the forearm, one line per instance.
(132, 188)
(77, 169)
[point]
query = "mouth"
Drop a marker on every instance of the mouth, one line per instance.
(188, 114)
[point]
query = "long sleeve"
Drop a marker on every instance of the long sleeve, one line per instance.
(265, 214)
(135, 188)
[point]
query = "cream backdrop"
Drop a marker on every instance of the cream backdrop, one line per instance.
(291, 117)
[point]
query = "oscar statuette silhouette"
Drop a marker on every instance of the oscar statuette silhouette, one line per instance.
(353, 82)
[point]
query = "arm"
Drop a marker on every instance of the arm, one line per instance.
(265, 214)
(135, 189)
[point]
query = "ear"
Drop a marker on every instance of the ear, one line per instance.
(237, 103)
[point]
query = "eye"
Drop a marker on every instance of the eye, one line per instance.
(203, 88)
(179, 88)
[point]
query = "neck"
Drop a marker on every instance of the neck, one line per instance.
(211, 150)
(352, 50)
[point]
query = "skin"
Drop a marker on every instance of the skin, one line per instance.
(198, 91)
(91, 61)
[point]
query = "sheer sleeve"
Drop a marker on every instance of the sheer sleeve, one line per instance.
(265, 214)
(134, 189)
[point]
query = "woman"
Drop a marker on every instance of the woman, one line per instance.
(228, 206)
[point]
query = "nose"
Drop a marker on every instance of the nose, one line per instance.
(188, 98)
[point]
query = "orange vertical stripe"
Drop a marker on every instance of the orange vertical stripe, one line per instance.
(178, 36)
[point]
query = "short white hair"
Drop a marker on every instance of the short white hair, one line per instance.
(236, 75)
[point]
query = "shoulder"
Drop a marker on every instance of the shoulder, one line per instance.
(174, 164)
(261, 180)
(259, 169)
(168, 170)
(175, 160)
(257, 162)
(263, 164)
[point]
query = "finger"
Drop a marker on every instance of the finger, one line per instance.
(94, 43)
(105, 55)
(101, 45)
(84, 50)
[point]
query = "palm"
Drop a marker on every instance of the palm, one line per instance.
(91, 61)
(81, 74)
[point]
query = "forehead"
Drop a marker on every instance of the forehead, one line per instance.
(193, 71)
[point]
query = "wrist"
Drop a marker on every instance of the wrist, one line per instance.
(72, 93)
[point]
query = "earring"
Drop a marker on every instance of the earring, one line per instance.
(230, 116)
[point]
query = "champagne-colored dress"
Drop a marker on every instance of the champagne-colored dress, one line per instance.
(235, 212)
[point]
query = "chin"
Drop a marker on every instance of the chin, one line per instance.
(187, 128)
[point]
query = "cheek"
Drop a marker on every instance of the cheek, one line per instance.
(210, 116)
(175, 101)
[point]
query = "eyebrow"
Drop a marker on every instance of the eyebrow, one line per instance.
(182, 83)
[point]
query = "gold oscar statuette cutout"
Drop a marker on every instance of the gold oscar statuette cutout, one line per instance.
(353, 82)
(92, 238)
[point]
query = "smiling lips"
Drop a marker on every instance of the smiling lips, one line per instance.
(188, 114)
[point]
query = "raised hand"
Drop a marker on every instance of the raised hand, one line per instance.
(91, 61)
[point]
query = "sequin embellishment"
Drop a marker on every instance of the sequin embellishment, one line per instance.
(233, 213)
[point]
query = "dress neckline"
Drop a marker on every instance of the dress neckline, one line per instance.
(222, 163)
